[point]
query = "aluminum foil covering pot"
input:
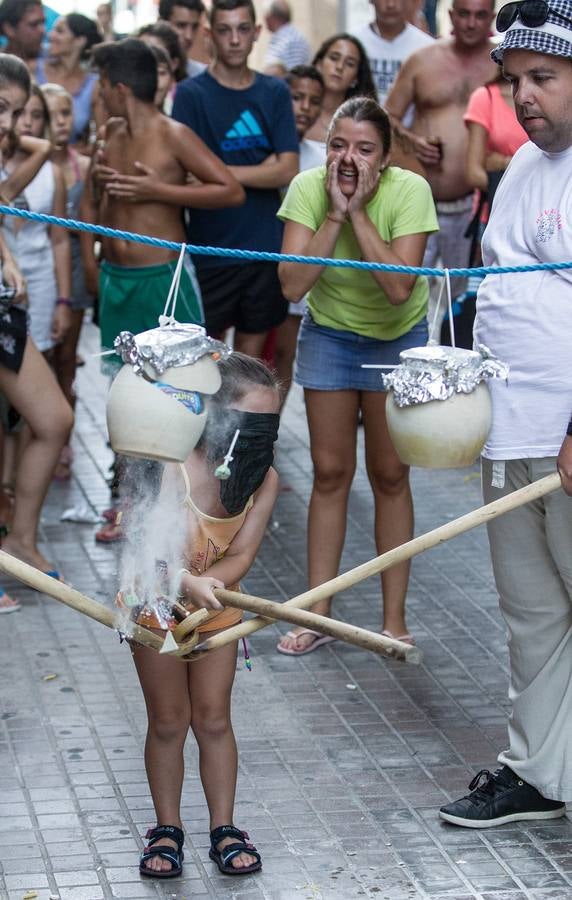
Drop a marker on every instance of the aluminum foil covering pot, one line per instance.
(438, 405)
(157, 404)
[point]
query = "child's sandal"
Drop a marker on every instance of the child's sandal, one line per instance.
(171, 854)
(223, 858)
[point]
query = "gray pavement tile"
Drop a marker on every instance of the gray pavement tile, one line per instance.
(25, 882)
(78, 878)
(44, 894)
(91, 892)
(506, 895)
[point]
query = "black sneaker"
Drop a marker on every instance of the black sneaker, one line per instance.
(501, 797)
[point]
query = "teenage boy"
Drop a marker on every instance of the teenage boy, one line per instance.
(145, 159)
(245, 118)
(185, 17)
(307, 93)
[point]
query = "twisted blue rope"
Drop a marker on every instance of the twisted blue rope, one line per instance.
(260, 255)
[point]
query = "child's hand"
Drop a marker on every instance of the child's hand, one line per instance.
(61, 322)
(103, 174)
(199, 590)
(134, 188)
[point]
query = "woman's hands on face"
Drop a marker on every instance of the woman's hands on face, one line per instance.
(338, 202)
(342, 206)
(368, 180)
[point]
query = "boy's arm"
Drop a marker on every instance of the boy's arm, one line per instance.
(38, 152)
(217, 187)
(242, 551)
(275, 173)
(88, 212)
(284, 162)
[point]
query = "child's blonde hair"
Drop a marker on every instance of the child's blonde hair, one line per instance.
(56, 90)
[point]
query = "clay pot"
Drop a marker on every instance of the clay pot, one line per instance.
(438, 405)
(145, 418)
(441, 434)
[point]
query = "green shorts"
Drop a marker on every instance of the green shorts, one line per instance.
(132, 298)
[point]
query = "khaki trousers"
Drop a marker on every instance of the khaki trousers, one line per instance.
(531, 550)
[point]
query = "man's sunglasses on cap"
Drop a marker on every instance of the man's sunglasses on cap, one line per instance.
(532, 13)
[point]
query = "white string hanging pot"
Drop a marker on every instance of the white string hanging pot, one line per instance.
(438, 404)
(157, 405)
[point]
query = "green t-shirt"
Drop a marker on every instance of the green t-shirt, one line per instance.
(350, 299)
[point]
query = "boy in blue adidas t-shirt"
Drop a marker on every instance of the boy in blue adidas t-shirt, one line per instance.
(246, 119)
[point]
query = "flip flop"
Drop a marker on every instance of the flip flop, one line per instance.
(7, 603)
(53, 573)
(404, 638)
(321, 639)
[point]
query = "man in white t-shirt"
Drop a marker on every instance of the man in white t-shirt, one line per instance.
(525, 320)
(388, 41)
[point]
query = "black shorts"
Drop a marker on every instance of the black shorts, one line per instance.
(247, 297)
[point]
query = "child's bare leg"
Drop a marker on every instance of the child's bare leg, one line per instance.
(65, 356)
(285, 352)
(250, 344)
(165, 688)
(210, 686)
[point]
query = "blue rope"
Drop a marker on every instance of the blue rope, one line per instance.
(258, 255)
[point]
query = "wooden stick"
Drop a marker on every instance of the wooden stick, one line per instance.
(352, 634)
(399, 554)
(68, 595)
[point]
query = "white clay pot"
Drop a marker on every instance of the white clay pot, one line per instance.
(441, 434)
(143, 421)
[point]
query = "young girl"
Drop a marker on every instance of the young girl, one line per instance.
(226, 521)
(41, 251)
(74, 168)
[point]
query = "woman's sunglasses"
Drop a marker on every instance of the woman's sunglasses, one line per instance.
(532, 13)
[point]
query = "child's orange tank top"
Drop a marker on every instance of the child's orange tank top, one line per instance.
(209, 539)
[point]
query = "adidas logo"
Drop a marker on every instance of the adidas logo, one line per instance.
(245, 133)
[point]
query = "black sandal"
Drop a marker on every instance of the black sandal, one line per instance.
(170, 854)
(224, 857)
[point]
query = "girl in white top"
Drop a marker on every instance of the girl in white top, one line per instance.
(27, 382)
(41, 251)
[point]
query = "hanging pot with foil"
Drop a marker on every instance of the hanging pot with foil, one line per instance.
(439, 406)
(157, 404)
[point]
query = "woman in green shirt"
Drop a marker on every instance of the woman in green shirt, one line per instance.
(357, 207)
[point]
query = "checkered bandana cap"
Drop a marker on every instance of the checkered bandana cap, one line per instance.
(553, 38)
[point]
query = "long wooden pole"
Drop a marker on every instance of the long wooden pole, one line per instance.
(399, 554)
(361, 637)
(68, 595)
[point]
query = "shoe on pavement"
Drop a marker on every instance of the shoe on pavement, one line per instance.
(501, 797)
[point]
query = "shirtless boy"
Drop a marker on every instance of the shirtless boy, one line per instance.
(438, 80)
(143, 171)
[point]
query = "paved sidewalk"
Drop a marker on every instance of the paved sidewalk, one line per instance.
(344, 756)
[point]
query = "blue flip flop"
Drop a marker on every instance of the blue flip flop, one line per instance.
(14, 607)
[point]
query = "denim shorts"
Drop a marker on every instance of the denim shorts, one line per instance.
(331, 360)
